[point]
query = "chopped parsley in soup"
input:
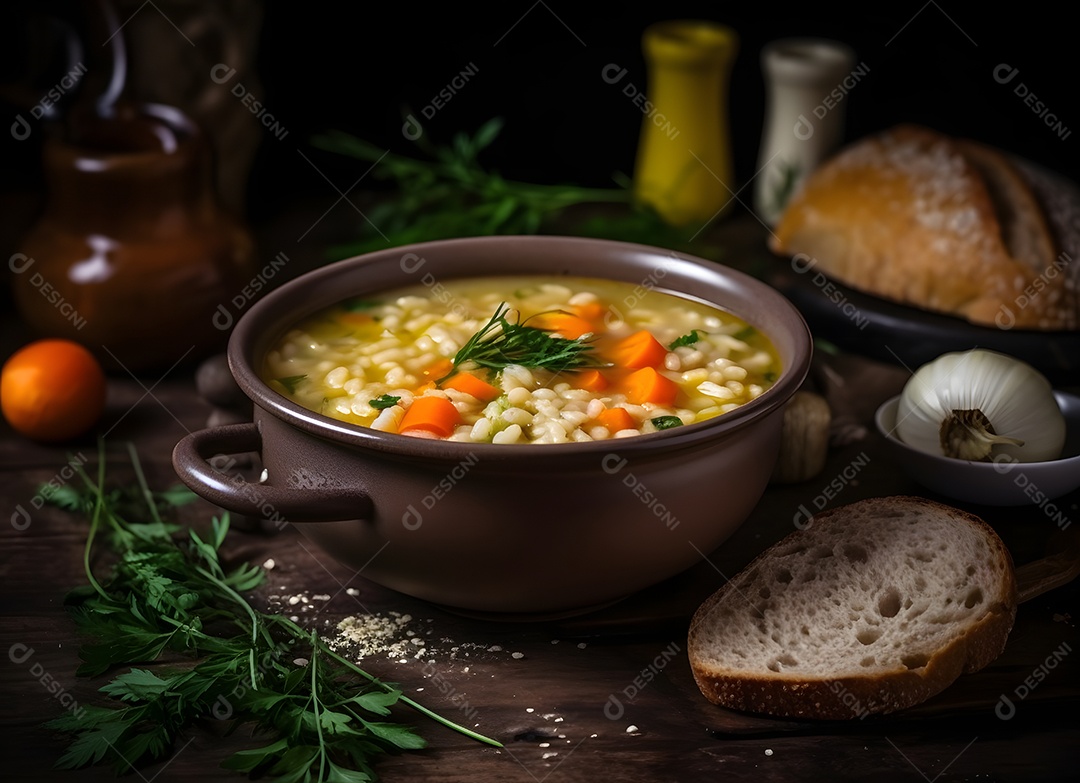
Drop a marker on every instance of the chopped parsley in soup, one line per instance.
(522, 360)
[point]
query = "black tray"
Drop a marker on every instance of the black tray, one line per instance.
(895, 333)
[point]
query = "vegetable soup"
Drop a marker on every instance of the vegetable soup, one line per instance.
(522, 360)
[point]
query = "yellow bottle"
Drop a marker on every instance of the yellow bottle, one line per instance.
(684, 163)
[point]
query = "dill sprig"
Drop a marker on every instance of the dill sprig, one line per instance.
(500, 343)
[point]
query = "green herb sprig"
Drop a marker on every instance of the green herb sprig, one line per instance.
(447, 192)
(384, 401)
(452, 195)
(290, 382)
(784, 188)
(686, 340)
(666, 422)
(500, 343)
(171, 595)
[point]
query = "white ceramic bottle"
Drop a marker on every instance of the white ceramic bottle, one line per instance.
(807, 81)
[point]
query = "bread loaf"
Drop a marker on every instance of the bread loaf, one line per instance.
(872, 608)
(942, 224)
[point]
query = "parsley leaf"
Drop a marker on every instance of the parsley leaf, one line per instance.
(384, 402)
(171, 594)
(666, 422)
(65, 496)
(685, 340)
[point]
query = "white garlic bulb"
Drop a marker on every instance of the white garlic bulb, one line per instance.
(978, 404)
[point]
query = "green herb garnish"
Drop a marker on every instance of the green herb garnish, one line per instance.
(172, 596)
(826, 347)
(784, 188)
(290, 382)
(745, 333)
(666, 422)
(685, 340)
(450, 194)
(384, 402)
(359, 305)
(500, 343)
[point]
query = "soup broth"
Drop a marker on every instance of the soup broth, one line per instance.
(522, 360)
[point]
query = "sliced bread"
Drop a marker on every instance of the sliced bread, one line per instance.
(872, 608)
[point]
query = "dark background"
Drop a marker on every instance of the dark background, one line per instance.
(360, 67)
(565, 123)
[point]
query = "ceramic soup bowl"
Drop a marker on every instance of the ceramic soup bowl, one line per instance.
(503, 530)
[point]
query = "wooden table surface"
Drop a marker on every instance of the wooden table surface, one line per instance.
(603, 696)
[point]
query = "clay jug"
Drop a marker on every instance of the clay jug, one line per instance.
(133, 254)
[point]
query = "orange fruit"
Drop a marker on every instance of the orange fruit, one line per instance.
(52, 390)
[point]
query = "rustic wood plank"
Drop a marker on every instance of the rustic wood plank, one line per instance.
(586, 680)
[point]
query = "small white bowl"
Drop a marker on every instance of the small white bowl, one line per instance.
(1001, 483)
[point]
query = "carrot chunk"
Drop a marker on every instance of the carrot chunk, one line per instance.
(647, 385)
(356, 319)
(436, 415)
(440, 368)
(591, 380)
(566, 325)
(469, 384)
(616, 419)
(593, 312)
(638, 350)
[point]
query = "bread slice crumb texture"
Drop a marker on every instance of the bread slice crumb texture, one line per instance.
(876, 590)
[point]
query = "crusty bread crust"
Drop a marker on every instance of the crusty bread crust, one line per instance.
(946, 225)
(1024, 227)
(846, 697)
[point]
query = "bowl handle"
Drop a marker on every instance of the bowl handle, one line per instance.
(273, 503)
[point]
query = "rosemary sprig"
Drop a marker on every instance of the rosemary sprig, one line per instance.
(447, 192)
(500, 343)
(452, 194)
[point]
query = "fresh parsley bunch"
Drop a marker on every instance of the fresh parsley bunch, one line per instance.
(171, 614)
